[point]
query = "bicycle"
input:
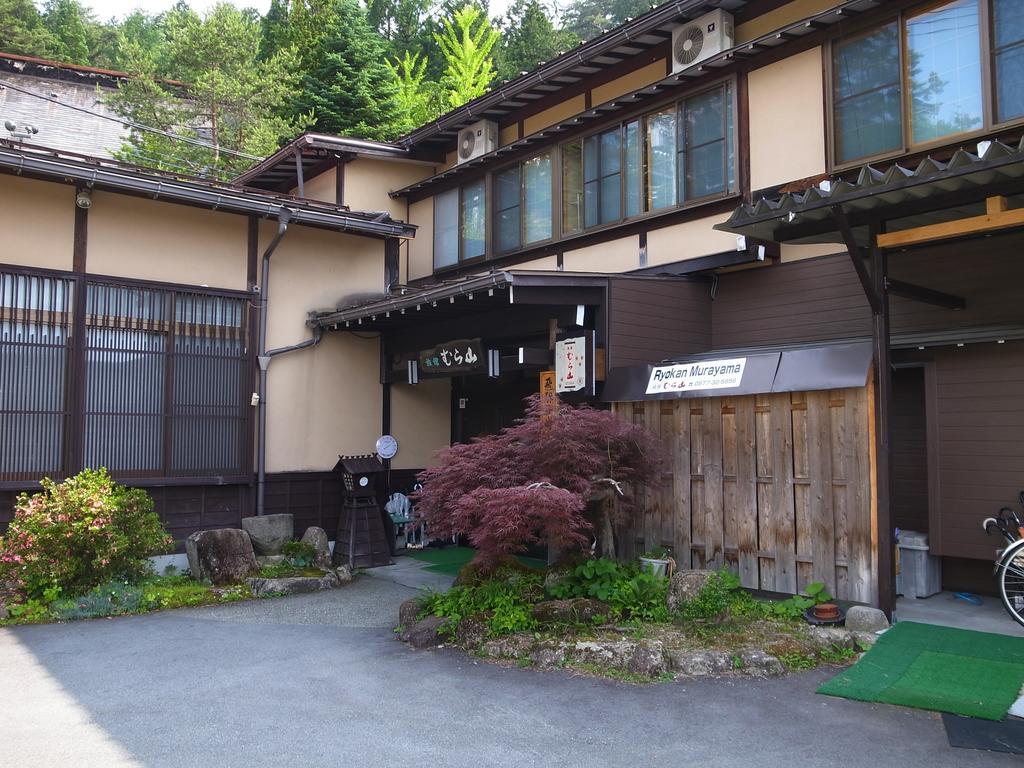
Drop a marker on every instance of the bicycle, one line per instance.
(1009, 569)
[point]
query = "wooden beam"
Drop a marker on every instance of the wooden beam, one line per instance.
(996, 217)
(857, 257)
(925, 295)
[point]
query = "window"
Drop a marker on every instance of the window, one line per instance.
(164, 388)
(523, 204)
(680, 154)
(881, 106)
(459, 224)
(1008, 49)
(944, 71)
(867, 95)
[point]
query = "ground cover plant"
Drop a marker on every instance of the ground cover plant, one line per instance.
(580, 617)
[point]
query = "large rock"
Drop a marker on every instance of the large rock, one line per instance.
(317, 538)
(684, 585)
(223, 556)
(861, 618)
(472, 631)
(515, 646)
(265, 560)
(425, 632)
(645, 657)
(548, 655)
(409, 612)
(701, 663)
(579, 610)
(293, 585)
(269, 532)
(757, 663)
(827, 638)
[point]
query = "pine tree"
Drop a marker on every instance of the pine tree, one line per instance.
(529, 37)
(350, 89)
(233, 100)
(67, 22)
(22, 30)
(467, 42)
(586, 19)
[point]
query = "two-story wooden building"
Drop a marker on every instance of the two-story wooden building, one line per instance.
(788, 232)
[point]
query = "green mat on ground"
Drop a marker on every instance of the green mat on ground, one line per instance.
(451, 559)
(975, 674)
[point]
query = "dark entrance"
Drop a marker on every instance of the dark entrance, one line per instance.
(485, 406)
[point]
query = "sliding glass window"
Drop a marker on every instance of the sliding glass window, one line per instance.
(920, 78)
(1008, 55)
(661, 159)
(460, 224)
(523, 204)
(705, 145)
(602, 178)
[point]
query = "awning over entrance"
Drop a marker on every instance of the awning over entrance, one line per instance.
(741, 372)
(462, 299)
(933, 192)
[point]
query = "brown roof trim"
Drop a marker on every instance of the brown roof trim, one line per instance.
(66, 67)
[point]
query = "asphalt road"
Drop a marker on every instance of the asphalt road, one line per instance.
(319, 680)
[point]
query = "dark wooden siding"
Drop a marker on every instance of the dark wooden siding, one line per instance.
(909, 450)
(979, 413)
(650, 320)
(821, 299)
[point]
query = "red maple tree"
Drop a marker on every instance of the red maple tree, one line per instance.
(532, 482)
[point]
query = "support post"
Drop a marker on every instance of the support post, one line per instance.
(883, 384)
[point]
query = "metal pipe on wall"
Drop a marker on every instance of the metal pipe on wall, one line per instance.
(283, 217)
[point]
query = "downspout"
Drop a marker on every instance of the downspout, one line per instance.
(283, 217)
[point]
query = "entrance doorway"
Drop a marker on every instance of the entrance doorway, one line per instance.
(485, 406)
(909, 450)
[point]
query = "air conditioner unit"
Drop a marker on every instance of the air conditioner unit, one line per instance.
(477, 139)
(701, 38)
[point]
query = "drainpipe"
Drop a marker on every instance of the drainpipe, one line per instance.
(283, 217)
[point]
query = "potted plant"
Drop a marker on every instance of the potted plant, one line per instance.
(656, 561)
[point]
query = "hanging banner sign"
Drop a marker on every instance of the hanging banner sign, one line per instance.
(459, 356)
(706, 374)
(571, 364)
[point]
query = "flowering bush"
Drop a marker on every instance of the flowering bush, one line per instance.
(79, 534)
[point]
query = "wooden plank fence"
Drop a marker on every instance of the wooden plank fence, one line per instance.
(776, 487)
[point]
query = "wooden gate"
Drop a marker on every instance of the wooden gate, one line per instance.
(776, 487)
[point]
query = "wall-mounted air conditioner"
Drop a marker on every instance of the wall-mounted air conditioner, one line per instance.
(477, 139)
(701, 38)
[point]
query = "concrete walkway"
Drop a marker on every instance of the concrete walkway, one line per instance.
(320, 680)
(948, 611)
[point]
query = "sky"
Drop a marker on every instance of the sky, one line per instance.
(104, 9)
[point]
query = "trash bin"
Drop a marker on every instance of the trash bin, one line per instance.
(919, 573)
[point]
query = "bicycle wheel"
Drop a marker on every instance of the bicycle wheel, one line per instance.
(1011, 581)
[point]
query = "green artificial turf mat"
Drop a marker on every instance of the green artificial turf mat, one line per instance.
(450, 560)
(975, 674)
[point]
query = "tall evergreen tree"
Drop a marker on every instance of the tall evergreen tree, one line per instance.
(467, 43)
(233, 100)
(529, 37)
(350, 89)
(22, 30)
(586, 19)
(67, 22)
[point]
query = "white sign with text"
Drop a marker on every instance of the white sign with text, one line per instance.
(706, 374)
(571, 364)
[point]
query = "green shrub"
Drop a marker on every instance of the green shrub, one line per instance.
(641, 597)
(299, 554)
(598, 578)
(507, 598)
(716, 597)
(79, 534)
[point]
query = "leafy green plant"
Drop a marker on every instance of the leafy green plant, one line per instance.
(30, 612)
(299, 554)
(796, 661)
(794, 607)
(79, 534)
(658, 553)
(597, 578)
(507, 599)
(641, 597)
(715, 598)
